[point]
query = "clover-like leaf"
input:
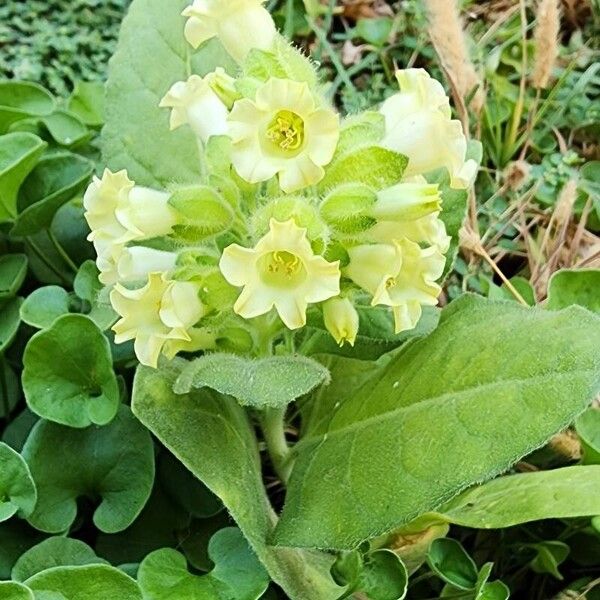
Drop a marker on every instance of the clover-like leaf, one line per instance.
(84, 582)
(266, 382)
(17, 489)
(13, 268)
(19, 152)
(237, 574)
(54, 552)
(528, 384)
(114, 462)
(55, 180)
(44, 305)
(12, 590)
(10, 319)
(572, 286)
(68, 376)
(21, 100)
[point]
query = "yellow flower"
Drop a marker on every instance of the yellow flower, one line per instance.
(401, 275)
(283, 132)
(418, 124)
(117, 211)
(160, 311)
(240, 25)
(341, 320)
(281, 271)
(195, 102)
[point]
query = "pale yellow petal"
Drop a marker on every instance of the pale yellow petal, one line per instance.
(237, 263)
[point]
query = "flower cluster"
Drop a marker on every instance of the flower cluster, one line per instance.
(295, 209)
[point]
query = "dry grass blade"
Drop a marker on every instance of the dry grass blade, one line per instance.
(546, 42)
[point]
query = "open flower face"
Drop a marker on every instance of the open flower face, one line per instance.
(160, 311)
(240, 25)
(418, 124)
(194, 102)
(283, 132)
(401, 275)
(281, 271)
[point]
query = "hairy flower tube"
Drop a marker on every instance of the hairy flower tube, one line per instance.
(240, 25)
(281, 271)
(194, 102)
(418, 124)
(401, 275)
(160, 311)
(284, 132)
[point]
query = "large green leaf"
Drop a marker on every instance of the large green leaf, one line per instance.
(85, 582)
(151, 56)
(237, 574)
(493, 382)
(17, 489)
(569, 287)
(68, 376)
(54, 552)
(11, 590)
(54, 181)
(19, 152)
(250, 381)
(114, 462)
(20, 100)
(212, 436)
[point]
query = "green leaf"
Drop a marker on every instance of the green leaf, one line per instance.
(68, 376)
(84, 582)
(10, 320)
(496, 590)
(237, 574)
(588, 430)
(435, 391)
(17, 537)
(17, 489)
(549, 556)
(516, 499)
(152, 54)
(54, 552)
(54, 181)
(20, 100)
(44, 305)
(372, 165)
(65, 128)
(367, 127)
(214, 439)
(19, 152)
(114, 462)
(10, 389)
(13, 268)
(374, 31)
(266, 382)
(11, 590)
(569, 287)
(449, 560)
(383, 576)
(87, 102)
(88, 287)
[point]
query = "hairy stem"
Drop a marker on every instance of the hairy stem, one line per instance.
(272, 422)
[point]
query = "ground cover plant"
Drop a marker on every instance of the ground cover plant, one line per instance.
(304, 304)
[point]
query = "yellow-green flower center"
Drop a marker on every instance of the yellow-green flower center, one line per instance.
(282, 269)
(286, 131)
(390, 282)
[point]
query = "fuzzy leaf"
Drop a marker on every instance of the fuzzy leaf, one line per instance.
(569, 287)
(43, 306)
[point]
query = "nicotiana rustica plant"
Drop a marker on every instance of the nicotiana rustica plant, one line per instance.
(277, 267)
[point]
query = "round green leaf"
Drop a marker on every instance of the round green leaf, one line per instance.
(17, 489)
(237, 575)
(449, 560)
(383, 577)
(54, 552)
(65, 127)
(19, 100)
(17, 537)
(87, 286)
(68, 376)
(569, 287)
(55, 180)
(85, 582)
(43, 306)
(115, 463)
(13, 268)
(11, 590)
(10, 320)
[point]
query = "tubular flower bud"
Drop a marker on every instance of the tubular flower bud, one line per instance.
(283, 132)
(194, 102)
(137, 262)
(240, 25)
(118, 212)
(401, 275)
(160, 311)
(418, 124)
(407, 202)
(341, 320)
(281, 271)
